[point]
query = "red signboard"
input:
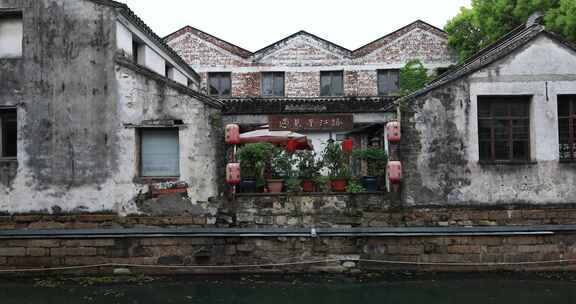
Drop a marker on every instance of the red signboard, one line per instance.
(311, 122)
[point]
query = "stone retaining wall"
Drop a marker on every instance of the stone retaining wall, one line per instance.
(321, 211)
(190, 251)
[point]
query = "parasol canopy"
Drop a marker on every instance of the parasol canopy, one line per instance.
(279, 138)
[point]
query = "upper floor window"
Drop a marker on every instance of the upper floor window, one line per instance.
(388, 82)
(273, 84)
(331, 83)
(8, 133)
(220, 84)
(567, 127)
(504, 128)
(11, 34)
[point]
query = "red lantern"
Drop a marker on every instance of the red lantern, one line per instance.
(291, 145)
(232, 134)
(347, 145)
(233, 174)
(394, 172)
(393, 131)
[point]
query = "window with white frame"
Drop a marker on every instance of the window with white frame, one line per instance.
(159, 152)
(11, 34)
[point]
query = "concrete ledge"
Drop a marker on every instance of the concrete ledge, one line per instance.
(289, 232)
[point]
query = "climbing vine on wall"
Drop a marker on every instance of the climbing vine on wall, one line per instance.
(413, 76)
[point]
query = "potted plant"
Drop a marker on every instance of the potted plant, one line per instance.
(252, 158)
(337, 165)
(308, 169)
(376, 161)
(280, 168)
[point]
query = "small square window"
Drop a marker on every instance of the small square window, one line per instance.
(273, 84)
(331, 83)
(8, 133)
(388, 82)
(220, 84)
(159, 153)
(11, 34)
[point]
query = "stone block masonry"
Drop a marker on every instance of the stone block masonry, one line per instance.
(334, 254)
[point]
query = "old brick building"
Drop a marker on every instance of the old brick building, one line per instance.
(305, 74)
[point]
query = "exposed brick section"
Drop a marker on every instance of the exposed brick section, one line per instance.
(303, 55)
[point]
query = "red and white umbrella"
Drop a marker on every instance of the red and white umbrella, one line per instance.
(280, 138)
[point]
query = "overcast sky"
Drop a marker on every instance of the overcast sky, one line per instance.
(254, 24)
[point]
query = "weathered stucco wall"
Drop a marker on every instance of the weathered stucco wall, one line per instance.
(440, 151)
(144, 98)
(72, 100)
(63, 90)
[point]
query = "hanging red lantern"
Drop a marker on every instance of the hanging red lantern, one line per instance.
(291, 145)
(394, 170)
(347, 145)
(233, 174)
(393, 131)
(232, 134)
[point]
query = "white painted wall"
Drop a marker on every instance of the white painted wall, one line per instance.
(123, 38)
(11, 36)
(150, 59)
(177, 76)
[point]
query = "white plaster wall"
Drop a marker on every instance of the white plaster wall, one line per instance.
(123, 38)
(542, 69)
(150, 59)
(177, 76)
(11, 31)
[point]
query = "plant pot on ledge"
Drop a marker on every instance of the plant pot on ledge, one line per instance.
(338, 184)
(248, 185)
(275, 185)
(370, 183)
(308, 186)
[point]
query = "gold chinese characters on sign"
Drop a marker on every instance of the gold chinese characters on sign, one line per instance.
(311, 122)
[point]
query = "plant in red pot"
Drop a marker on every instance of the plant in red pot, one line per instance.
(280, 169)
(337, 164)
(308, 169)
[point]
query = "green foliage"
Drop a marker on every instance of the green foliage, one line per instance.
(413, 76)
(335, 160)
(293, 185)
(308, 166)
(354, 187)
(253, 158)
(488, 20)
(376, 160)
(323, 182)
(280, 163)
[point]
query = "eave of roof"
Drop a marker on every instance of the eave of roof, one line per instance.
(131, 16)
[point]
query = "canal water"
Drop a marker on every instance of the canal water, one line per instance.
(467, 291)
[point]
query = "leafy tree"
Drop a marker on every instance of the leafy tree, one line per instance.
(413, 76)
(488, 20)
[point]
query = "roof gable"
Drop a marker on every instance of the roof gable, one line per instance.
(390, 38)
(494, 52)
(303, 48)
(303, 35)
(220, 43)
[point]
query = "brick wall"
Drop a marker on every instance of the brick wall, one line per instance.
(303, 56)
(195, 251)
